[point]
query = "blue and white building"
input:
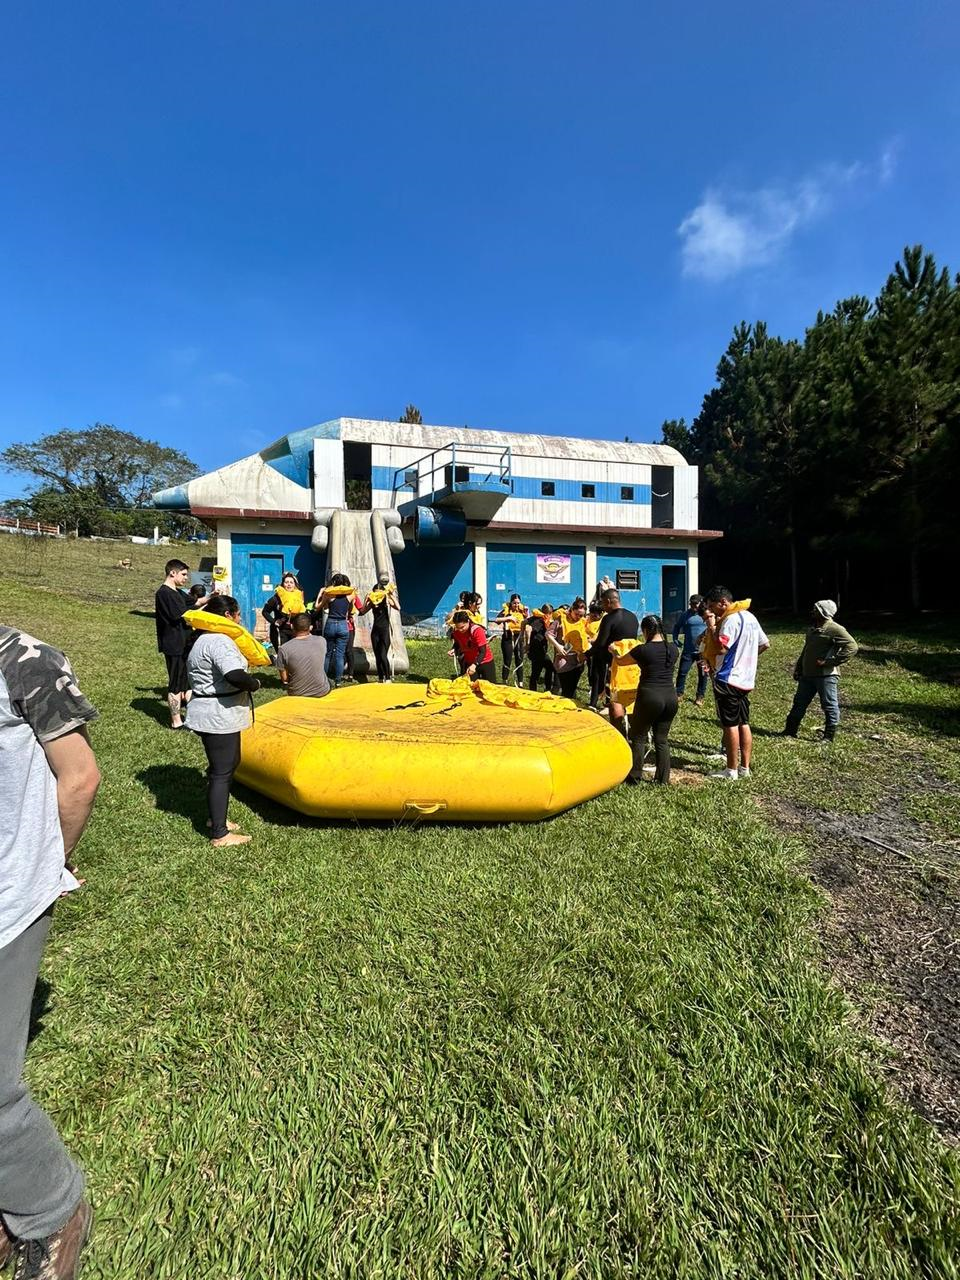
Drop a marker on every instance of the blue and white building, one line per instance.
(495, 511)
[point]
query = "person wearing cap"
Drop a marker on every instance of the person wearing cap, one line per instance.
(826, 647)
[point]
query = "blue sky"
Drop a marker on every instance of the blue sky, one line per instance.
(224, 221)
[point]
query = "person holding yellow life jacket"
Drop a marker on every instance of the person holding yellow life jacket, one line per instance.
(512, 619)
(569, 646)
(655, 702)
(337, 598)
(281, 609)
(380, 600)
(219, 710)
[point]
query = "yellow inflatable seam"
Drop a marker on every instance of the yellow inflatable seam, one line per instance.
(498, 695)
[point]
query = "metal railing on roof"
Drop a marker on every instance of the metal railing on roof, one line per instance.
(453, 466)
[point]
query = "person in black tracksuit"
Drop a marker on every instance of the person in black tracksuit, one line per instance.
(538, 647)
(618, 624)
(380, 629)
(656, 704)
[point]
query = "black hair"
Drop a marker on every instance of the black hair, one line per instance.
(546, 608)
(301, 623)
(696, 601)
(174, 566)
(198, 591)
(289, 574)
(594, 607)
(579, 603)
(651, 624)
(221, 605)
(516, 596)
(339, 580)
(719, 593)
(471, 599)
(610, 591)
(460, 615)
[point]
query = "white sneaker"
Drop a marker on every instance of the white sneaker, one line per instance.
(725, 775)
(743, 772)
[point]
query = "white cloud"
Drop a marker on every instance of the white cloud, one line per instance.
(732, 231)
(224, 378)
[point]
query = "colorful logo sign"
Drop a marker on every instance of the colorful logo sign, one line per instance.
(553, 568)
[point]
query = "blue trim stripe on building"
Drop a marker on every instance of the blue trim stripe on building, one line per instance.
(528, 487)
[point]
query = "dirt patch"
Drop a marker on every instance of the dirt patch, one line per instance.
(893, 941)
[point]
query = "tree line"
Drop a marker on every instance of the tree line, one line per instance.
(99, 481)
(831, 463)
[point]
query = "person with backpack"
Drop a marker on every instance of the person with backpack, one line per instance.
(826, 647)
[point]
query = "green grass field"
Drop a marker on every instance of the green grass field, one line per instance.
(601, 1047)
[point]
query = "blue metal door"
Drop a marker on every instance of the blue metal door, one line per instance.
(673, 593)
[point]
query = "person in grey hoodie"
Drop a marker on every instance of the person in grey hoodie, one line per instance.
(826, 647)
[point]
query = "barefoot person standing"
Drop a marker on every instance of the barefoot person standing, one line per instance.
(219, 711)
(48, 782)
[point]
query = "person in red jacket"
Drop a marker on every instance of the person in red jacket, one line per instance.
(471, 641)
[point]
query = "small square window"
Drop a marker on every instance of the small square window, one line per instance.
(410, 479)
(547, 489)
(588, 491)
(626, 493)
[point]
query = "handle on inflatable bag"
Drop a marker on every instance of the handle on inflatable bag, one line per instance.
(425, 807)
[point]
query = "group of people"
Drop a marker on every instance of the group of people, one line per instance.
(716, 635)
(331, 619)
(209, 687)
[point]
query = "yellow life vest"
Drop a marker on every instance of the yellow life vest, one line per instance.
(379, 594)
(591, 626)
(575, 635)
(292, 601)
(711, 647)
(338, 591)
(538, 613)
(514, 620)
(254, 652)
(624, 676)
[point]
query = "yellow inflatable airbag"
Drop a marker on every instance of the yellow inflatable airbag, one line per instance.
(386, 751)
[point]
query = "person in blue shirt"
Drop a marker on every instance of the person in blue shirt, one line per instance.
(692, 626)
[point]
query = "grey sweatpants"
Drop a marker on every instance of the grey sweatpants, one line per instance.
(40, 1186)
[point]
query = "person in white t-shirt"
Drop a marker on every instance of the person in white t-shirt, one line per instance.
(738, 640)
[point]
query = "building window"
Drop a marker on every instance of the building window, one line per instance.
(547, 489)
(588, 491)
(628, 579)
(410, 479)
(626, 493)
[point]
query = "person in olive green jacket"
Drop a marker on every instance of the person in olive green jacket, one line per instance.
(826, 647)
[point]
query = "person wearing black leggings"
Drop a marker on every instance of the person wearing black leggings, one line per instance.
(512, 619)
(380, 600)
(538, 647)
(219, 711)
(656, 704)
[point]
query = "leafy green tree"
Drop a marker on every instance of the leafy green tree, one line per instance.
(121, 468)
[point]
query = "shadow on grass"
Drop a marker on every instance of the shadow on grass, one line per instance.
(141, 613)
(39, 1007)
(178, 789)
(158, 711)
(942, 721)
(942, 667)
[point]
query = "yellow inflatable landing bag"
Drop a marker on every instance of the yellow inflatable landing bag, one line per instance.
(499, 695)
(254, 652)
(387, 752)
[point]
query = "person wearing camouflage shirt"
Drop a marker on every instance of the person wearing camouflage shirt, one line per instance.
(48, 781)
